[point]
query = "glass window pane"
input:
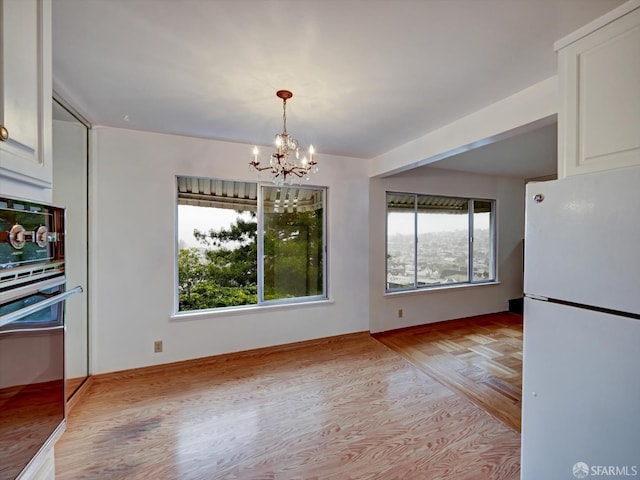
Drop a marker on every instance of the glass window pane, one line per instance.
(482, 247)
(217, 255)
(443, 240)
(429, 241)
(400, 241)
(293, 220)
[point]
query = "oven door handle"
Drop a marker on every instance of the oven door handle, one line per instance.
(23, 312)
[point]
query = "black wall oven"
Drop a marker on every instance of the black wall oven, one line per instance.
(32, 295)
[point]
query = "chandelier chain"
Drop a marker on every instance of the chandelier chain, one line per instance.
(284, 116)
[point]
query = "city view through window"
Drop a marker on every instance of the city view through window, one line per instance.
(435, 243)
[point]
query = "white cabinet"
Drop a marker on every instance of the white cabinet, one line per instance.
(599, 72)
(25, 92)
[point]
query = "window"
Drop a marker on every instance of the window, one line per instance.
(435, 241)
(241, 243)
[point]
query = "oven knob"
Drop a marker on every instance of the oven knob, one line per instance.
(42, 236)
(16, 236)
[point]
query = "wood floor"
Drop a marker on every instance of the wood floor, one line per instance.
(480, 358)
(349, 408)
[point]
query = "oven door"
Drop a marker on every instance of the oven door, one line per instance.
(32, 397)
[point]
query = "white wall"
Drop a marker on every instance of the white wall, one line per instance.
(70, 191)
(134, 253)
(437, 305)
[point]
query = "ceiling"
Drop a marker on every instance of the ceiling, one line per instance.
(529, 155)
(367, 75)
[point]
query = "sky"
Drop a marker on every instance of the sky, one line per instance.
(202, 218)
(403, 223)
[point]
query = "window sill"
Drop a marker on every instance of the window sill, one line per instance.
(247, 310)
(442, 288)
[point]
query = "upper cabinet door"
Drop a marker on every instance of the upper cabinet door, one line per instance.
(25, 91)
(599, 71)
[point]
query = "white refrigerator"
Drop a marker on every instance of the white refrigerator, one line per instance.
(581, 357)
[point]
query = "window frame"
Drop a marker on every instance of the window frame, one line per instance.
(261, 302)
(261, 255)
(470, 243)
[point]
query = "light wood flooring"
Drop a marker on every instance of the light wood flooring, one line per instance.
(479, 357)
(346, 408)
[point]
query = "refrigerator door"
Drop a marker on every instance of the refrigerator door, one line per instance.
(581, 392)
(582, 239)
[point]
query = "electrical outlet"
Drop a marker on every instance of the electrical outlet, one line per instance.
(399, 313)
(157, 346)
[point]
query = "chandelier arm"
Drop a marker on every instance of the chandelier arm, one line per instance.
(261, 169)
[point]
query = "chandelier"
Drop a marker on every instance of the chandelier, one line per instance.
(285, 165)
